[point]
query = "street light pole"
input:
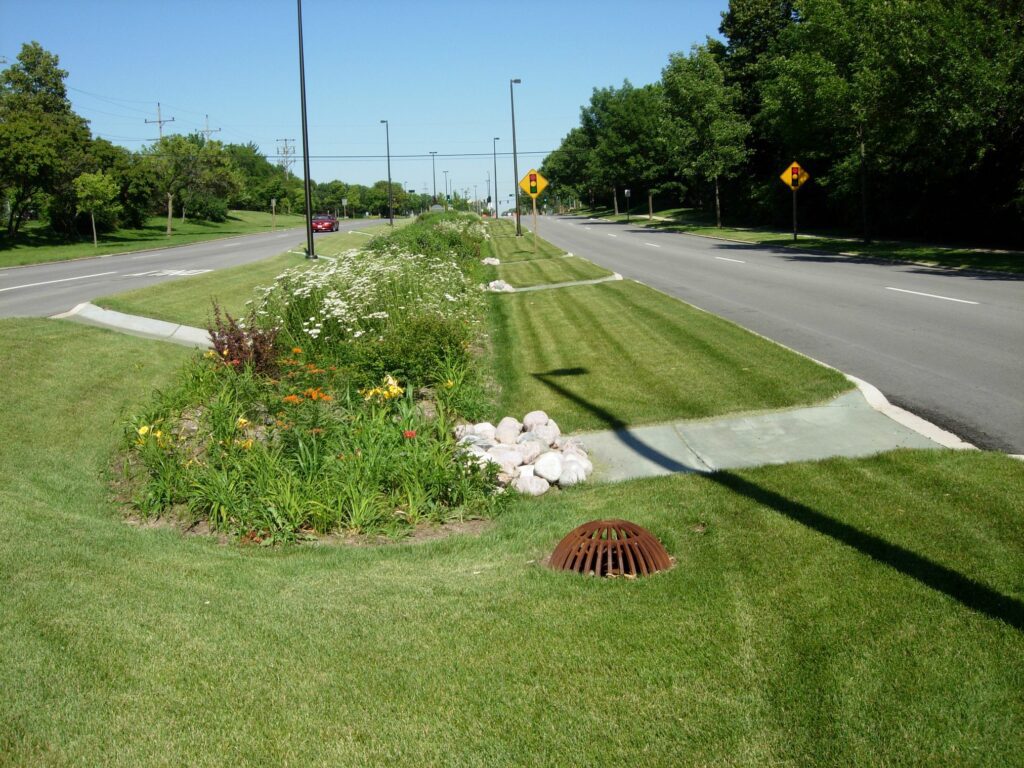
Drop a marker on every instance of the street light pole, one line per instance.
(515, 157)
(310, 253)
(433, 172)
(391, 207)
(494, 149)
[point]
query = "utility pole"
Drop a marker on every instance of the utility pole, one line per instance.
(208, 130)
(391, 206)
(515, 156)
(494, 151)
(285, 153)
(160, 120)
(489, 191)
(310, 253)
(433, 172)
(445, 189)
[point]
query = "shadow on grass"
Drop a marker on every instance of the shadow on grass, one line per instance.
(965, 590)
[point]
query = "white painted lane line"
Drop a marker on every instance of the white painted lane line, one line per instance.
(931, 295)
(610, 234)
(722, 258)
(652, 245)
(51, 282)
(587, 229)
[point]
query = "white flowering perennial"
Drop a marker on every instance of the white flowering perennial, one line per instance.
(366, 293)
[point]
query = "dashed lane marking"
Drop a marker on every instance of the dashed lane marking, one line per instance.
(723, 258)
(932, 295)
(51, 282)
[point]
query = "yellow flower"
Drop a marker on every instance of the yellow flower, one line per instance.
(242, 422)
(210, 354)
(157, 434)
(449, 384)
(143, 430)
(225, 353)
(247, 443)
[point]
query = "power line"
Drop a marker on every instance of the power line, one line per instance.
(207, 130)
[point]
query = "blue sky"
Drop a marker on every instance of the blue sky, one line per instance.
(438, 71)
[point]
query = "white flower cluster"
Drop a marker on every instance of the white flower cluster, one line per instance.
(466, 224)
(365, 292)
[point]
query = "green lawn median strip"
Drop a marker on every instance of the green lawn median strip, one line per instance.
(599, 356)
(35, 245)
(859, 609)
(504, 244)
(522, 274)
(688, 221)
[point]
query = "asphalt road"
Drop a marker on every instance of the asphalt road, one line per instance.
(947, 346)
(42, 290)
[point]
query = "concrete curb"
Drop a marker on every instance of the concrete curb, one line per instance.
(549, 286)
(923, 427)
(145, 327)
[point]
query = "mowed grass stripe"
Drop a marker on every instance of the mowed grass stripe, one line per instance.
(506, 247)
(522, 274)
(636, 356)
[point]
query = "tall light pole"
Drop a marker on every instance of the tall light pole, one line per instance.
(445, 189)
(387, 136)
(515, 157)
(433, 172)
(494, 149)
(310, 253)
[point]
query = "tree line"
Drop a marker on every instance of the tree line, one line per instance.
(52, 168)
(908, 114)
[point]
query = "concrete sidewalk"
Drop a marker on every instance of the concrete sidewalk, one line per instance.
(146, 327)
(858, 423)
(847, 426)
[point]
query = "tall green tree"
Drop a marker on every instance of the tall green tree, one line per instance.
(709, 131)
(172, 163)
(42, 140)
(96, 194)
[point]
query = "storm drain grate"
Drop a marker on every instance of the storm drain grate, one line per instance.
(610, 548)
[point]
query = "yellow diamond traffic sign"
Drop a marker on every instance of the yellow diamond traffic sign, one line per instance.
(533, 183)
(794, 176)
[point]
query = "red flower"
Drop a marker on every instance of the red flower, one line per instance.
(409, 433)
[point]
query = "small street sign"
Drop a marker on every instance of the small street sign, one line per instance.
(533, 183)
(794, 176)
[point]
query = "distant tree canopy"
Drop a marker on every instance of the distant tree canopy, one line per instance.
(909, 115)
(52, 167)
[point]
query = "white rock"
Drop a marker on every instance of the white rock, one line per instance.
(531, 449)
(548, 432)
(573, 450)
(490, 260)
(508, 456)
(508, 431)
(529, 485)
(565, 442)
(504, 478)
(534, 419)
(572, 473)
(500, 286)
(549, 466)
(484, 429)
(582, 461)
(525, 471)
(461, 430)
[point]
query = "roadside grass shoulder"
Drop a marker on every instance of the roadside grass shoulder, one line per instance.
(638, 356)
(689, 221)
(800, 621)
(189, 300)
(36, 245)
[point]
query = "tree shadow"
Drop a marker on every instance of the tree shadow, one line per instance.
(964, 589)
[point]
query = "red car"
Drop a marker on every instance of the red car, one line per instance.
(324, 222)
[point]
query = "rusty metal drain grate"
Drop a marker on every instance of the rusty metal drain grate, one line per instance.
(610, 548)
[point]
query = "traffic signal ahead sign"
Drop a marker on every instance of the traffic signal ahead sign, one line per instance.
(794, 176)
(533, 183)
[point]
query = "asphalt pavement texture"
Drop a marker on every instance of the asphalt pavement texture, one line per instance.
(943, 344)
(41, 290)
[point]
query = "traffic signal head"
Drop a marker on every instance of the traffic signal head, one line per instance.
(533, 183)
(795, 178)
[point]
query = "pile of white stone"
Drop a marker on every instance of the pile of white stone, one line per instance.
(500, 286)
(491, 261)
(532, 454)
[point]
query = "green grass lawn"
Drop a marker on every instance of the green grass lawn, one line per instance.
(839, 613)
(693, 222)
(504, 244)
(189, 300)
(556, 269)
(36, 244)
(640, 357)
